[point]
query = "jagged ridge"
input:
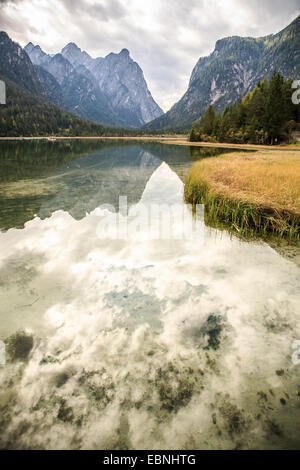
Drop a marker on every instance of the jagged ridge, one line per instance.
(235, 67)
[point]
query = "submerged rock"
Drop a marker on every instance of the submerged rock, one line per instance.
(65, 413)
(61, 379)
(213, 329)
(19, 346)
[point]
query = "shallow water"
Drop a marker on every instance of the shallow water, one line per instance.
(136, 343)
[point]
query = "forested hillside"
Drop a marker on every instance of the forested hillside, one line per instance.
(267, 115)
(234, 68)
(26, 114)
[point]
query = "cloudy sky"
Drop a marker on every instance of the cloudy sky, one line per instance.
(166, 37)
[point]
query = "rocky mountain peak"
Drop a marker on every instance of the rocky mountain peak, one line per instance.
(3, 36)
(36, 54)
(17, 66)
(110, 90)
(75, 55)
(122, 80)
(235, 66)
(71, 47)
(125, 52)
(29, 47)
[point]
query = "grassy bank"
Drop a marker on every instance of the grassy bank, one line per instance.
(251, 194)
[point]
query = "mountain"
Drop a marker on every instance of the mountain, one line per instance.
(51, 88)
(17, 66)
(122, 80)
(75, 55)
(74, 90)
(110, 90)
(235, 67)
(35, 53)
(27, 114)
(36, 93)
(28, 88)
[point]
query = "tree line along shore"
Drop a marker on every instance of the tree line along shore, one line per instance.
(254, 194)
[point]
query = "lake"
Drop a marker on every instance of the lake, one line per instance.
(124, 333)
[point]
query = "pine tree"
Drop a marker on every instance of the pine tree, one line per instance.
(207, 121)
(193, 136)
(275, 108)
(265, 115)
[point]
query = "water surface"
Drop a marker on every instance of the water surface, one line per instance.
(136, 343)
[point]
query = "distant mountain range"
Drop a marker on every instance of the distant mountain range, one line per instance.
(28, 111)
(235, 67)
(113, 91)
(110, 90)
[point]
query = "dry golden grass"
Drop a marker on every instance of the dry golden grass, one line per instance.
(270, 179)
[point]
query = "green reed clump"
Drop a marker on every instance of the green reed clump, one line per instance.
(242, 217)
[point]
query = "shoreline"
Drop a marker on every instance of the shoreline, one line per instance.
(54, 138)
(256, 196)
(234, 146)
(243, 213)
(169, 140)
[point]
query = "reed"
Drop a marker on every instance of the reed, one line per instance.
(251, 195)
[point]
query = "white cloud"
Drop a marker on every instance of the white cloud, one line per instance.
(166, 37)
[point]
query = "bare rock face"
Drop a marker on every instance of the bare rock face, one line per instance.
(51, 88)
(36, 54)
(122, 80)
(17, 66)
(72, 87)
(235, 67)
(75, 55)
(110, 90)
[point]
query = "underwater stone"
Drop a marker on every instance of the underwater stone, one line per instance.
(18, 346)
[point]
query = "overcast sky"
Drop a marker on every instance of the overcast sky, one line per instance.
(166, 37)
